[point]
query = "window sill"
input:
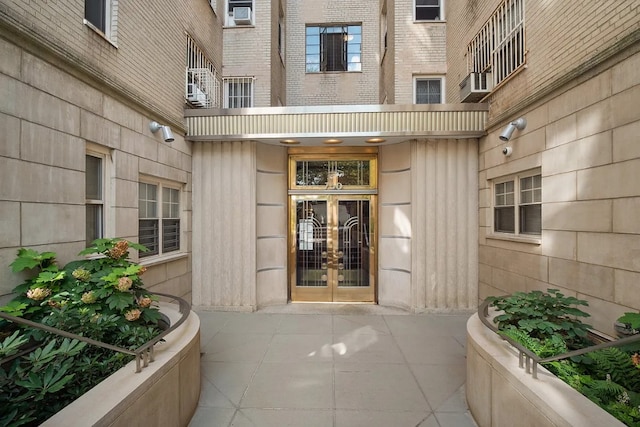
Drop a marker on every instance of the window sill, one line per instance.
(532, 240)
(99, 32)
(430, 21)
(162, 259)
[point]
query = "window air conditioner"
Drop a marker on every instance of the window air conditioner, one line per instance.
(475, 86)
(242, 15)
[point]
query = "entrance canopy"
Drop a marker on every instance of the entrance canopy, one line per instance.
(345, 125)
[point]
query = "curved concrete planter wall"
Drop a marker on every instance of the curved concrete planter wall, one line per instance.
(165, 393)
(500, 393)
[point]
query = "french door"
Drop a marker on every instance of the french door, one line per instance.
(332, 247)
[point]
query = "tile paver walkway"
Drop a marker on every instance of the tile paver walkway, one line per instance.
(332, 366)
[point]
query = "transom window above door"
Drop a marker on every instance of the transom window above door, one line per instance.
(333, 173)
(333, 48)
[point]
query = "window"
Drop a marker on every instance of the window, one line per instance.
(158, 218)
(243, 16)
(429, 10)
(101, 15)
(238, 92)
(336, 48)
(428, 90)
(518, 205)
(499, 46)
(94, 195)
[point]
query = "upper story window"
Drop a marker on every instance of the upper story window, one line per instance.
(102, 16)
(429, 10)
(517, 206)
(238, 92)
(499, 46)
(239, 12)
(429, 90)
(158, 218)
(203, 82)
(334, 48)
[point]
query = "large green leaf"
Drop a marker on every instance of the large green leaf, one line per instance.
(120, 300)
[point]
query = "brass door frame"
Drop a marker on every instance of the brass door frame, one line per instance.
(367, 189)
(333, 292)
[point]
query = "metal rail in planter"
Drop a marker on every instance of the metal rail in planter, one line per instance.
(526, 356)
(144, 354)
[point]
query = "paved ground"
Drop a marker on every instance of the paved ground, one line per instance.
(332, 366)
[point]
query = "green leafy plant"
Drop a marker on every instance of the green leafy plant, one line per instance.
(101, 297)
(548, 325)
(543, 315)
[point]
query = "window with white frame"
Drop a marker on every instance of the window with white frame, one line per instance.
(158, 218)
(499, 46)
(429, 10)
(239, 12)
(102, 15)
(517, 206)
(333, 48)
(428, 90)
(94, 196)
(238, 92)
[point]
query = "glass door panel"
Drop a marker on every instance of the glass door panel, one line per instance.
(333, 255)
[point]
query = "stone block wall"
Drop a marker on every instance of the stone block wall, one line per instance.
(66, 90)
(584, 139)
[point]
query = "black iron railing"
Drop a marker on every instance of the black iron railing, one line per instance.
(529, 360)
(143, 354)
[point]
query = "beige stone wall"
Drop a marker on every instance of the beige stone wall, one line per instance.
(224, 272)
(271, 227)
(63, 89)
(420, 49)
(585, 141)
(332, 88)
(427, 225)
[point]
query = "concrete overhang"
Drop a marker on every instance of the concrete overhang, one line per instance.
(352, 125)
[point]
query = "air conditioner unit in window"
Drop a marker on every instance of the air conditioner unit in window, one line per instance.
(242, 15)
(475, 86)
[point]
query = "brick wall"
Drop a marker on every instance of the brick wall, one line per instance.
(149, 60)
(420, 49)
(332, 88)
(559, 38)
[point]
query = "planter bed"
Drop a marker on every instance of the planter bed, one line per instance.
(166, 392)
(500, 393)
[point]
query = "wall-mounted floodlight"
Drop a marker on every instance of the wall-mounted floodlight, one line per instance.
(519, 124)
(167, 135)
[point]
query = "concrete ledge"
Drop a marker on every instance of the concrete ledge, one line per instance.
(499, 393)
(165, 393)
